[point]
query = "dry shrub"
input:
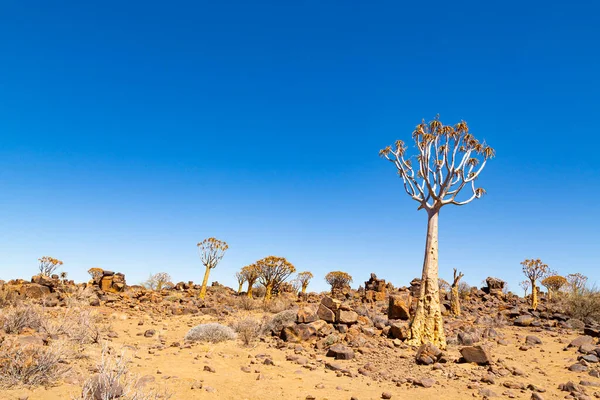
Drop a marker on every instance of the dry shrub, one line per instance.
(31, 365)
(248, 329)
(211, 332)
(7, 298)
(276, 305)
(280, 321)
(114, 380)
(22, 316)
(583, 304)
(258, 291)
(78, 324)
(246, 303)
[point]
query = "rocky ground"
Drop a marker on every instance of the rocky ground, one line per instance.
(307, 347)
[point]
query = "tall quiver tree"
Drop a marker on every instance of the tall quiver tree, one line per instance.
(454, 298)
(272, 271)
(304, 279)
(534, 270)
(211, 252)
(449, 159)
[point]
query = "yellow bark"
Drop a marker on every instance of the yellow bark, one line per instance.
(204, 283)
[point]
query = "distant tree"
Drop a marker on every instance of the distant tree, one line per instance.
(158, 281)
(239, 276)
(250, 273)
(338, 280)
(443, 285)
(577, 282)
(211, 252)
(272, 271)
(449, 158)
(464, 290)
(554, 283)
(534, 270)
(304, 279)
(454, 296)
(63, 276)
(48, 265)
(525, 285)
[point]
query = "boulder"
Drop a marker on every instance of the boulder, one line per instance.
(399, 306)
(346, 317)
(398, 331)
(476, 354)
(524, 320)
(331, 303)
(306, 315)
(340, 352)
(428, 354)
(34, 291)
(325, 313)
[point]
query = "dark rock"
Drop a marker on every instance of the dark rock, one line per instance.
(340, 352)
(476, 354)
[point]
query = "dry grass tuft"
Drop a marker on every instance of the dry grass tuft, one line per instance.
(248, 329)
(16, 319)
(31, 365)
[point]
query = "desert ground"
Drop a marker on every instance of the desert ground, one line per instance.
(133, 344)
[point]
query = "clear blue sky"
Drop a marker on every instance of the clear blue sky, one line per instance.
(132, 130)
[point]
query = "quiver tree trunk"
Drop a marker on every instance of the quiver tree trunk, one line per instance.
(454, 295)
(268, 291)
(304, 288)
(427, 325)
(240, 288)
(454, 301)
(204, 283)
(250, 284)
(534, 295)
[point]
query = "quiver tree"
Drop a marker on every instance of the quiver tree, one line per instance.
(48, 265)
(525, 286)
(554, 283)
(577, 282)
(211, 251)
(534, 270)
(304, 279)
(454, 295)
(338, 280)
(239, 276)
(272, 271)
(448, 160)
(250, 273)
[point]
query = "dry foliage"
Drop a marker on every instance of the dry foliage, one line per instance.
(114, 380)
(211, 332)
(158, 281)
(248, 329)
(31, 365)
(16, 319)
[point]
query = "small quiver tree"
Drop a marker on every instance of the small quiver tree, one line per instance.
(272, 271)
(211, 252)
(576, 282)
(239, 276)
(250, 273)
(525, 286)
(48, 265)
(449, 159)
(454, 295)
(338, 280)
(534, 270)
(96, 274)
(554, 283)
(304, 279)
